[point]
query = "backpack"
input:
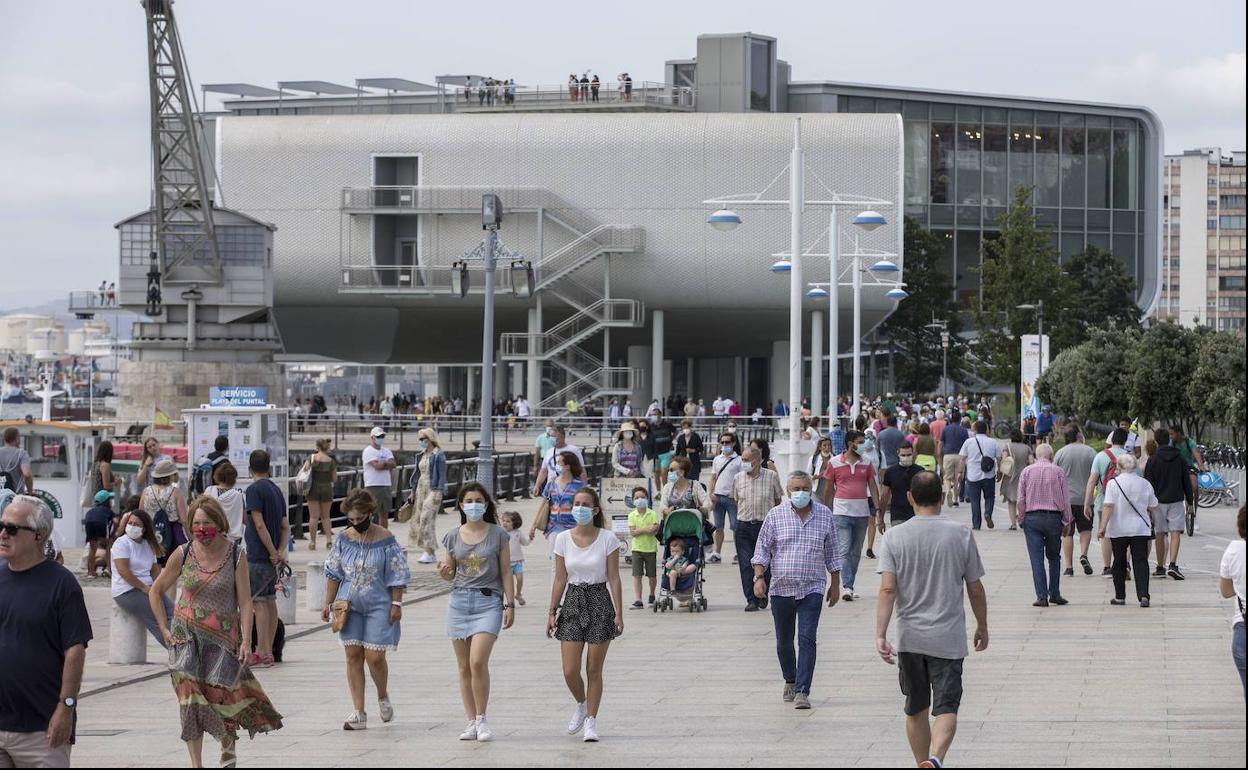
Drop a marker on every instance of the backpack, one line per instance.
(162, 526)
(1007, 465)
(202, 479)
(1111, 471)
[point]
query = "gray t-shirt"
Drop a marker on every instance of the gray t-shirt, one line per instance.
(1076, 460)
(933, 558)
(14, 461)
(889, 441)
(476, 566)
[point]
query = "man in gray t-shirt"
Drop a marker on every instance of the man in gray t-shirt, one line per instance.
(1076, 458)
(15, 464)
(924, 564)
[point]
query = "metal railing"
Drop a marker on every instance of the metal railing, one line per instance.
(80, 301)
(600, 240)
(601, 381)
(578, 326)
(444, 199)
(609, 96)
(412, 279)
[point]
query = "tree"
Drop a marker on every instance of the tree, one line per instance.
(1100, 291)
(1108, 356)
(917, 347)
(1216, 391)
(1058, 384)
(1160, 378)
(1018, 268)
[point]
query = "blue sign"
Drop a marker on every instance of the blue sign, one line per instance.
(237, 396)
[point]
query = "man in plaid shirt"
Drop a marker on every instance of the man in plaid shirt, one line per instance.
(798, 545)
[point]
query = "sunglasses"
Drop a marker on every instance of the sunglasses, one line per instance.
(12, 529)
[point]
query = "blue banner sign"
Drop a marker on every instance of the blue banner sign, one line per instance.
(236, 396)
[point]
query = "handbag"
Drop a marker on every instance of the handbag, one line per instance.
(1152, 530)
(339, 611)
(303, 477)
(405, 511)
(986, 463)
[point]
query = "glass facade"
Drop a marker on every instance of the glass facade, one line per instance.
(963, 163)
(761, 61)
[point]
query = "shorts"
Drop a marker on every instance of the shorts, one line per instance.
(1081, 522)
(517, 568)
(471, 612)
(645, 564)
(1170, 517)
(665, 460)
(96, 530)
(930, 681)
(384, 496)
(263, 577)
(725, 509)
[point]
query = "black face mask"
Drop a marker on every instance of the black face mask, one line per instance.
(363, 526)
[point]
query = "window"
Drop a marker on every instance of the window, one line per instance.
(942, 163)
(1231, 222)
(1098, 168)
(1048, 167)
(760, 75)
(1074, 150)
(917, 162)
(1233, 201)
(1022, 144)
(969, 138)
(1126, 169)
(996, 188)
(1232, 283)
(967, 279)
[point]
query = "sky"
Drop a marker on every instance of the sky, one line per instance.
(74, 135)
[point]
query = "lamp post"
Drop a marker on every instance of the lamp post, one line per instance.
(1039, 308)
(944, 352)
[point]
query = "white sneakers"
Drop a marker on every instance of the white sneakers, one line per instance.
(577, 720)
(357, 721)
(387, 710)
(591, 730)
(470, 732)
(426, 558)
(484, 733)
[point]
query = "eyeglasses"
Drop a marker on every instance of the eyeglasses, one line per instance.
(12, 529)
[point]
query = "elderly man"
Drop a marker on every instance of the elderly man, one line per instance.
(550, 459)
(1045, 514)
(755, 490)
(797, 543)
(44, 630)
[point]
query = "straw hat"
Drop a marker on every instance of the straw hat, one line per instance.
(164, 468)
(627, 426)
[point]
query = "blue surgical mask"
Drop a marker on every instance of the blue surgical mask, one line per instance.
(800, 498)
(424, 444)
(641, 504)
(726, 449)
(474, 511)
(583, 514)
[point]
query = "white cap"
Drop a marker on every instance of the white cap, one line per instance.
(378, 432)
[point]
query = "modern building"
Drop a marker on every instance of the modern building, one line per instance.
(374, 188)
(1203, 277)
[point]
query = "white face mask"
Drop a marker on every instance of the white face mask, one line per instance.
(135, 531)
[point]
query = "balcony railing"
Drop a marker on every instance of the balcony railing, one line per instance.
(91, 301)
(444, 199)
(610, 96)
(409, 279)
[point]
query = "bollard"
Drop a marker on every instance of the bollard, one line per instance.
(127, 639)
(288, 602)
(316, 586)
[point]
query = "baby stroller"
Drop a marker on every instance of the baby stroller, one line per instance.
(687, 526)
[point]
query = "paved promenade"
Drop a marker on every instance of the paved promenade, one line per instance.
(1082, 685)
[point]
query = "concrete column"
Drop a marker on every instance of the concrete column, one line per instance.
(534, 368)
(779, 386)
(288, 602)
(738, 380)
(690, 384)
(658, 387)
(816, 363)
(127, 638)
(501, 390)
(379, 382)
(471, 389)
(444, 382)
(639, 357)
(517, 378)
(316, 586)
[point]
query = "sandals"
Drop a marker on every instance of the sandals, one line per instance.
(229, 753)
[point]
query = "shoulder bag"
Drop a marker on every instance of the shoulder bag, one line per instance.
(986, 463)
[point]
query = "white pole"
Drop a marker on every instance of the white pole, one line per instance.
(796, 204)
(834, 313)
(857, 385)
(816, 363)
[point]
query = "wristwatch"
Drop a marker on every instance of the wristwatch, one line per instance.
(758, 578)
(397, 604)
(510, 606)
(69, 702)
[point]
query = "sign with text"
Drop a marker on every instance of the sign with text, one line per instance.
(238, 396)
(1035, 361)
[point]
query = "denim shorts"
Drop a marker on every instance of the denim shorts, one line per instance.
(263, 577)
(471, 612)
(517, 568)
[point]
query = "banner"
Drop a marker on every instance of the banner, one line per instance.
(236, 396)
(1035, 361)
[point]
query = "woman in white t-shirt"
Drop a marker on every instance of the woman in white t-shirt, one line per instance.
(1126, 518)
(233, 500)
(586, 606)
(134, 569)
(1232, 584)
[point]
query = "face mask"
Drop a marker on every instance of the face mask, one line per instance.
(641, 504)
(474, 511)
(205, 534)
(424, 444)
(628, 434)
(675, 473)
(726, 449)
(826, 451)
(377, 441)
(134, 532)
(687, 431)
(362, 526)
(800, 498)
(905, 462)
(563, 470)
(550, 432)
(583, 514)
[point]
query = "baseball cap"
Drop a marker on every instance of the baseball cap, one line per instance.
(103, 496)
(378, 432)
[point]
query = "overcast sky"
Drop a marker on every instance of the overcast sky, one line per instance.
(73, 91)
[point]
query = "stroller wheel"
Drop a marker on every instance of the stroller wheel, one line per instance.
(655, 607)
(703, 603)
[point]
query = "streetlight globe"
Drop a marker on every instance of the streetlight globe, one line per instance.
(884, 266)
(870, 220)
(817, 293)
(724, 220)
(781, 266)
(897, 294)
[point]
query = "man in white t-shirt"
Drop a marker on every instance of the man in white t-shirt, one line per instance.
(724, 468)
(979, 481)
(522, 407)
(1231, 584)
(717, 406)
(550, 460)
(378, 462)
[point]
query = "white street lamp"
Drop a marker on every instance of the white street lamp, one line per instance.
(724, 220)
(781, 266)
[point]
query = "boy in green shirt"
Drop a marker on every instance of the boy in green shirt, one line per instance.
(643, 526)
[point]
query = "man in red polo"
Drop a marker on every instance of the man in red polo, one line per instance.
(851, 479)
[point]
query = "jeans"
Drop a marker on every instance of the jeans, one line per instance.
(135, 602)
(1237, 653)
(851, 533)
(725, 512)
(745, 535)
(988, 487)
(789, 613)
(1043, 530)
(1139, 560)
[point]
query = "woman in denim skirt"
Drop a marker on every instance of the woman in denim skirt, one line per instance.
(477, 561)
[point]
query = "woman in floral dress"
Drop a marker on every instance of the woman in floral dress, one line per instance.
(367, 568)
(209, 637)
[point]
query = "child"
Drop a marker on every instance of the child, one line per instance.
(677, 565)
(514, 525)
(643, 525)
(98, 523)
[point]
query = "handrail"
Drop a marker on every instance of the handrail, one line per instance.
(567, 332)
(613, 378)
(610, 94)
